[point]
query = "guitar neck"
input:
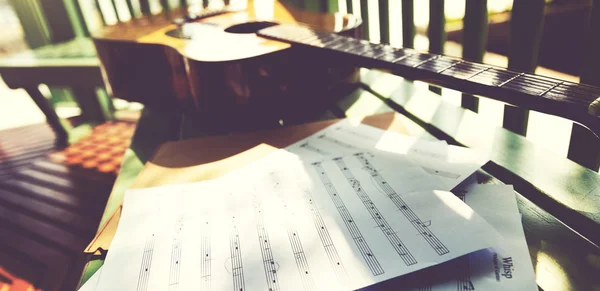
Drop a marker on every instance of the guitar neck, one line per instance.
(578, 102)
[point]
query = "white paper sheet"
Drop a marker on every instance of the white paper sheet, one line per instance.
(506, 266)
(451, 164)
(280, 224)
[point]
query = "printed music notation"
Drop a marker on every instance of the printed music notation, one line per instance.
(269, 264)
(176, 255)
(326, 241)
(310, 147)
(358, 238)
(381, 222)
(235, 248)
(237, 266)
(283, 224)
(294, 237)
(146, 263)
(205, 262)
(336, 141)
(418, 224)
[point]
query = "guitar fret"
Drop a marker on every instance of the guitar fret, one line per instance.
(548, 90)
(533, 83)
(463, 70)
(529, 79)
(438, 64)
(426, 61)
(402, 58)
(450, 66)
(506, 82)
(413, 59)
(478, 73)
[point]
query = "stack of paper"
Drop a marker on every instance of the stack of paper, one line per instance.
(350, 207)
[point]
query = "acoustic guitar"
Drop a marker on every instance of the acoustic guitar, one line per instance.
(239, 58)
(214, 63)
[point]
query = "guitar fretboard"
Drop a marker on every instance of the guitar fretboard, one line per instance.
(562, 98)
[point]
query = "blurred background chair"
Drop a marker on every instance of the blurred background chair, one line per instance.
(63, 57)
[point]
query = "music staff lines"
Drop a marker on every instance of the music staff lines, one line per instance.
(441, 173)
(146, 264)
(335, 141)
(330, 250)
(269, 264)
(417, 223)
(352, 132)
(295, 243)
(382, 223)
(357, 237)
(464, 283)
(176, 256)
(205, 273)
(311, 148)
(235, 249)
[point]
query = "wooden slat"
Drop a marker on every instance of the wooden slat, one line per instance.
(21, 265)
(475, 28)
(130, 8)
(526, 26)
(384, 21)
(584, 147)
(333, 6)
(183, 3)
(408, 23)
(69, 220)
(100, 12)
(364, 14)
(44, 194)
(81, 18)
(145, 7)
(51, 117)
(165, 5)
(58, 20)
(46, 166)
(41, 230)
(436, 31)
(86, 189)
(33, 250)
(115, 9)
(314, 5)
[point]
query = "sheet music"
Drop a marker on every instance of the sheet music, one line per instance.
(506, 266)
(450, 164)
(283, 224)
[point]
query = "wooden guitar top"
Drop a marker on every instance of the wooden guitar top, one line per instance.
(210, 41)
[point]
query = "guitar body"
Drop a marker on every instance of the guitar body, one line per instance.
(218, 66)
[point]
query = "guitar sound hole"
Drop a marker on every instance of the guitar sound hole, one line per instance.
(249, 27)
